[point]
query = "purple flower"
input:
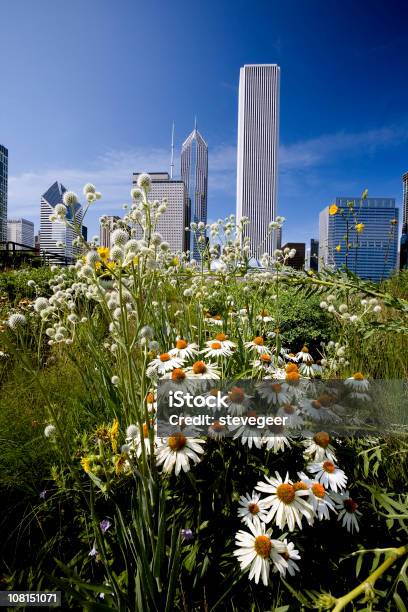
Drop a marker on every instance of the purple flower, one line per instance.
(186, 535)
(104, 525)
(43, 494)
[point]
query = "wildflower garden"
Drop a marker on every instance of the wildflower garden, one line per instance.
(102, 501)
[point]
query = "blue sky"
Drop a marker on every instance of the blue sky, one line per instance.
(89, 89)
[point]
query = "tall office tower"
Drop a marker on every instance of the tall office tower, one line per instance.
(404, 235)
(373, 252)
(52, 233)
(257, 154)
(314, 254)
(194, 174)
(171, 225)
(3, 193)
(20, 231)
(106, 229)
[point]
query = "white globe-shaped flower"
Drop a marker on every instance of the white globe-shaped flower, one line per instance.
(119, 237)
(136, 193)
(60, 210)
(146, 332)
(156, 238)
(115, 380)
(90, 197)
(50, 431)
(116, 253)
(144, 181)
(16, 321)
(132, 432)
(70, 198)
(98, 195)
(40, 304)
(92, 258)
(89, 188)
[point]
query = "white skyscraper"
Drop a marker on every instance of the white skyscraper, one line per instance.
(105, 231)
(53, 233)
(257, 155)
(171, 225)
(20, 231)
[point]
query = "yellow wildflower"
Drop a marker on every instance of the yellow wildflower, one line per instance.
(114, 433)
(103, 253)
(333, 209)
(338, 248)
(359, 228)
(86, 464)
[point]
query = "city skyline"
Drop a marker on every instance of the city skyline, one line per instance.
(331, 141)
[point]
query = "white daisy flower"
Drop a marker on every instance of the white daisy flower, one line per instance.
(328, 474)
(176, 452)
(347, 508)
(203, 370)
(318, 498)
(264, 317)
(252, 510)
(315, 409)
(216, 349)
(304, 355)
(318, 447)
(357, 382)
(135, 441)
(307, 369)
(237, 401)
(257, 552)
(274, 392)
(248, 434)
(217, 431)
(263, 363)
(224, 341)
(276, 441)
(291, 555)
(184, 350)
(292, 415)
(286, 502)
(162, 364)
(215, 320)
(258, 345)
(291, 357)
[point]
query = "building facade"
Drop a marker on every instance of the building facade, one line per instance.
(404, 234)
(194, 174)
(3, 193)
(298, 261)
(106, 229)
(372, 254)
(51, 233)
(171, 225)
(20, 231)
(257, 152)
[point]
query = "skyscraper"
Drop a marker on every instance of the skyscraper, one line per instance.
(257, 153)
(171, 225)
(373, 252)
(52, 233)
(20, 231)
(404, 235)
(3, 192)
(194, 174)
(105, 231)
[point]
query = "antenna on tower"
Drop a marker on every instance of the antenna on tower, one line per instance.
(195, 122)
(172, 152)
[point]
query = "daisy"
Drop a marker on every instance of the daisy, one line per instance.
(215, 320)
(249, 434)
(177, 451)
(162, 364)
(258, 344)
(184, 350)
(275, 441)
(318, 498)
(291, 357)
(318, 447)
(257, 552)
(285, 501)
(237, 401)
(216, 349)
(348, 513)
(292, 415)
(263, 363)
(217, 431)
(203, 370)
(134, 441)
(314, 409)
(252, 510)
(274, 392)
(328, 474)
(307, 369)
(357, 382)
(224, 341)
(304, 355)
(291, 555)
(174, 381)
(264, 317)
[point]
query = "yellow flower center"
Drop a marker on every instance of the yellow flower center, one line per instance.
(221, 337)
(300, 486)
(291, 367)
(181, 344)
(199, 367)
(322, 439)
(292, 377)
(263, 546)
(265, 358)
(358, 376)
(289, 409)
(329, 467)
(236, 395)
(178, 374)
(164, 357)
(305, 349)
(276, 387)
(217, 426)
(319, 490)
(259, 341)
(350, 505)
(216, 346)
(150, 398)
(253, 508)
(286, 493)
(316, 404)
(177, 442)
